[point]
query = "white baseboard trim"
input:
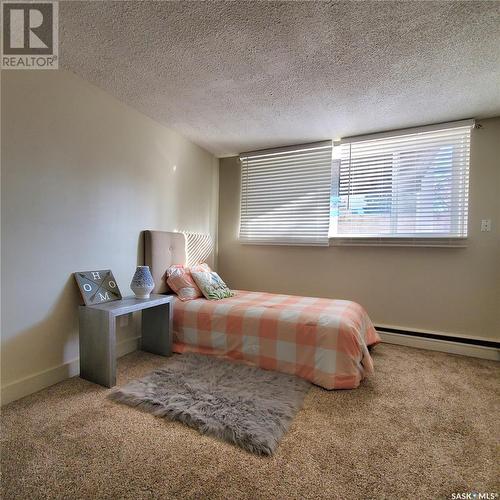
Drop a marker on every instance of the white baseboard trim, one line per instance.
(34, 383)
(448, 346)
(127, 346)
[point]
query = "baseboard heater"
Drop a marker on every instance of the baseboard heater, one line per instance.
(436, 336)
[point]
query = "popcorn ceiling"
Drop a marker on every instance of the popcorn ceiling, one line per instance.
(238, 76)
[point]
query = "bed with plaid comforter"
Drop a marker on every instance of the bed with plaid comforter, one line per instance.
(322, 340)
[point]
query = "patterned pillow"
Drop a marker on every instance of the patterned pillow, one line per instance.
(211, 285)
(180, 281)
(200, 268)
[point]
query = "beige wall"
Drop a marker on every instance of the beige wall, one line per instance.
(448, 290)
(82, 175)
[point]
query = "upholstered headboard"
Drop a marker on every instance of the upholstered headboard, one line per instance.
(161, 250)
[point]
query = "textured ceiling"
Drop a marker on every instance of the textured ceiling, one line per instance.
(237, 76)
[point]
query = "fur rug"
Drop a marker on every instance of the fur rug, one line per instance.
(242, 404)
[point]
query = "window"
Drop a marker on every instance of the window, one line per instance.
(285, 195)
(408, 186)
(404, 188)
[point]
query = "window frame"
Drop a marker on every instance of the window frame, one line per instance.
(291, 160)
(427, 240)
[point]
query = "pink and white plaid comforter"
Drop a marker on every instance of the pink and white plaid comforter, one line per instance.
(322, 340)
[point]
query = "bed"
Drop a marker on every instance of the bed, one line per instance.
(322, 340)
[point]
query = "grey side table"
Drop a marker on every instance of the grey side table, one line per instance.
(98, 334)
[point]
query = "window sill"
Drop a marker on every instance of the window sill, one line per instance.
(284, 243)
(400, 242)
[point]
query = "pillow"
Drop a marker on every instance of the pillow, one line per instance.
(200, 268)
(173, 268)
(180, 281)
(211, 285)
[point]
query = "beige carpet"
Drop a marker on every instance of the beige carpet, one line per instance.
(424, 426)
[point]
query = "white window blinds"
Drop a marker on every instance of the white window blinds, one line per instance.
(285, 195)
(410, 185)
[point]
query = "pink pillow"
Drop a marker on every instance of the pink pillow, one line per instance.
(180, 281)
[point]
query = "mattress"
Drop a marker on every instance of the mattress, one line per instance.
(322, 340)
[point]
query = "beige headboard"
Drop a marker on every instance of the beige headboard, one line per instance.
(161, 250)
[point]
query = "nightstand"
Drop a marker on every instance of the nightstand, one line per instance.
(98, 334)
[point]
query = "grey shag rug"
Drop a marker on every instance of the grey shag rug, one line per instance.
(241, 404)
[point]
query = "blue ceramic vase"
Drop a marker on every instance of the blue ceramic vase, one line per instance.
(142, 282)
